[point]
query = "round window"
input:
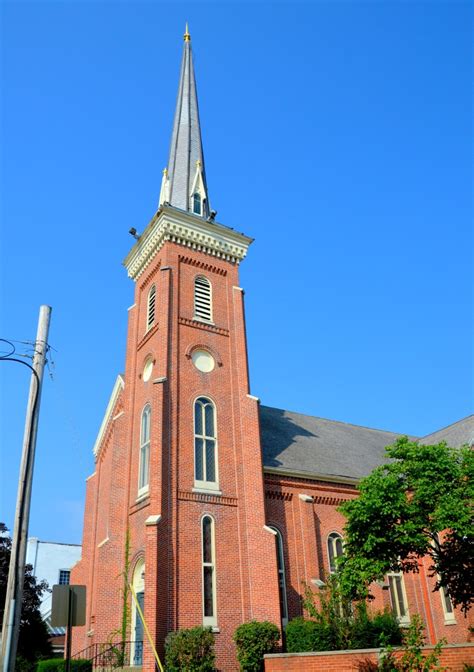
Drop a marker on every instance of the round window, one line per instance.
(147, 369)
(203, 361)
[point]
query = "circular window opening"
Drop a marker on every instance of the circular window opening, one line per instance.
(147, 369)
(203, 361)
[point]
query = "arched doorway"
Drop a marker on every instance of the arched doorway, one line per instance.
(138, 583)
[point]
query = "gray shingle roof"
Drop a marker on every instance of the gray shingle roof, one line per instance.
(186, 143)
(305, 444)
(455, 435)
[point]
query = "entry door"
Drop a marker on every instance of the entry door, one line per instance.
(138, 649)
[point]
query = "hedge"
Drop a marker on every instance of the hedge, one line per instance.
(190, 650)
(254, 640)
(59, 665)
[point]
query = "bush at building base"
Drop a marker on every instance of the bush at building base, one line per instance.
(358, 631)
(59, 665)
(190, 650)
(253, 641)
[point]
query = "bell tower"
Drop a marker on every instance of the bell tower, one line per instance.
(193, 507)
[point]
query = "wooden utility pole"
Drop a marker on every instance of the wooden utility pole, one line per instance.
(16, 573)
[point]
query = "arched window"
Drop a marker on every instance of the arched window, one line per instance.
(281, 575)
(144, 450)
(197, 203)
(150, 315)
(398, 596)
(205, 444)
(138, 582)
(208, 572)
(202, 299)
(335, 550)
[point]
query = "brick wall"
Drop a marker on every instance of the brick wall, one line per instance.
(453, 657)
(245, 560)
(305, 512)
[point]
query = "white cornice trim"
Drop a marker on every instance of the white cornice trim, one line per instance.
(118, 387)
(185, 229)
(311, 476)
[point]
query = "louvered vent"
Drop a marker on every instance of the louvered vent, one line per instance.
(151, 307)
(202, 299)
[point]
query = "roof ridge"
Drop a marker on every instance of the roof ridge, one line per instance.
(340, 422)
(441, 429)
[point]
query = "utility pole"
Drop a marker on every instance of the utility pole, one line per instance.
(16, 573)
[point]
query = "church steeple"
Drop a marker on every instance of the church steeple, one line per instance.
(184, 181)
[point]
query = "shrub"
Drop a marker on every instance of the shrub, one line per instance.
(338, 625)
(305, 635)
(190, 650)
(59, 665)
(253, 641)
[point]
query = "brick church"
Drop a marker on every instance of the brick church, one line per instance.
(216, 507)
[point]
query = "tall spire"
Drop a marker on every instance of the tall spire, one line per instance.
(184, 181)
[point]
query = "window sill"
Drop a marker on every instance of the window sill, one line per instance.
(203, 321)
(450, 621)
(207, 491)
(142, 495)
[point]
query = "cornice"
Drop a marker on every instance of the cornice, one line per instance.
(277, 494)
(202, 264)
(118, 387)
(206, 498)
(343, 480)
(203, 325)
(183, 228)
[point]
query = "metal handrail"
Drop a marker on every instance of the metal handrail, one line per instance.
(109, 655)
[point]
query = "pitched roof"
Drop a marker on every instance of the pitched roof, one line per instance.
(304, 444)
(186, 158)
(455, 435)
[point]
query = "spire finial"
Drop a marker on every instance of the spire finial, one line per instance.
(187, 36)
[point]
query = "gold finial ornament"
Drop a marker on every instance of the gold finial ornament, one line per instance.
(187, 36)
(165, 172)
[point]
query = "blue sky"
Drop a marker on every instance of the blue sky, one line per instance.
(338, 134)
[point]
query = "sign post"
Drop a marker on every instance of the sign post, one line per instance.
(68, 609)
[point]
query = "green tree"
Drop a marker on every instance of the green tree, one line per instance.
(420, 503)
(33, 642)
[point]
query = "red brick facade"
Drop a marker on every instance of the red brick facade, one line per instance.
(245, 562)
(164, 526)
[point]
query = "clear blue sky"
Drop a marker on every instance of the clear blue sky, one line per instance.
(338, 134)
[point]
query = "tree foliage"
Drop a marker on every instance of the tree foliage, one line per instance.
(418, 504)
(34, 639)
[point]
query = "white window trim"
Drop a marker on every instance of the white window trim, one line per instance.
(279, 540)
(144, 489)
(449, 618)
(403, 620)
(199, 485)
(209, 620)
(198, 318)
(331, 536)
(138, 583)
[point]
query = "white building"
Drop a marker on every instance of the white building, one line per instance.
(52, 562)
